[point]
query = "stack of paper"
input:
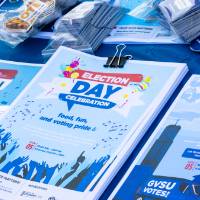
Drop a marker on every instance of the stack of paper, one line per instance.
(77, 122)
(168, 165)
(85, 27)
(183, 15)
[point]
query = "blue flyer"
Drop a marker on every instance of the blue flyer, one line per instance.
(77, 122)
(168, 166)
(14, 77)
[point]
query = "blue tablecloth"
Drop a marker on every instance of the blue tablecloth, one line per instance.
(30, 51)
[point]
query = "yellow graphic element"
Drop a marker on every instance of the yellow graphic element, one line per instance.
(75, 75)
(144, 85)
(134, 91)
(147, 79)
(69, 69)
(63, 84)
(126, 96)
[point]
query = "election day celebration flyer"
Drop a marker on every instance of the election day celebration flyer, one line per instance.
(168, 166)
(76, 123)
(14, 77)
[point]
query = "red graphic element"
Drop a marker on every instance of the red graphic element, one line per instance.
(110, 78)
(7, 73)
(31, 145)
(190, 165)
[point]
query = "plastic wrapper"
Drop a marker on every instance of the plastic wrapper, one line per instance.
(183, 16)
(143, 23)
(84, 27)
(16, 25)
(149, 12)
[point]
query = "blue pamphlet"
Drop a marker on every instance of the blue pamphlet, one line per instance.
(168, 166)
(14, 77)
(77, 122)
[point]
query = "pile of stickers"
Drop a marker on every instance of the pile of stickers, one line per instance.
(85, 26)
(21, 19)
(184, 16)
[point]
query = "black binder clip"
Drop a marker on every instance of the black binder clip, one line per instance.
(118, 61)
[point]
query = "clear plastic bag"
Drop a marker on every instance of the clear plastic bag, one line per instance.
(84, 27)
(19, 24)
(183, 16)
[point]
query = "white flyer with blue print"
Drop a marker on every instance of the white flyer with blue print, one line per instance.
(168, 165)
(76, 123)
